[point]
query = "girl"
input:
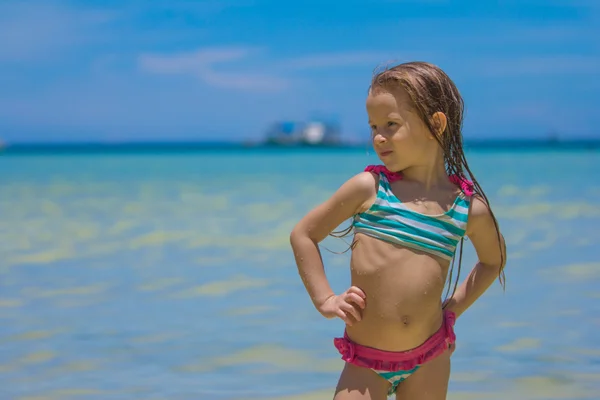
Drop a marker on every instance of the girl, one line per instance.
(408, 216)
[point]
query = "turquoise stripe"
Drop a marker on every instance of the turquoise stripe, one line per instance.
(452, 213)
(389, 196)
(385, 191)
(383, 195)
(457, 215)
(405, 239)
(462, 202)
(383, 182)
(376, 223)
(391, 375)
(402, 227)
(424, 219)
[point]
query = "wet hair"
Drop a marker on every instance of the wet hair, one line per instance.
(431, 91)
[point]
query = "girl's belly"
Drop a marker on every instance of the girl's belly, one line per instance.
(403, 289)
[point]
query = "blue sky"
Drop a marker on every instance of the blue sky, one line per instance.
(216, 70)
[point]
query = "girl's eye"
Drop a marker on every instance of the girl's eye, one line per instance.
(391, 123)
(373, 127)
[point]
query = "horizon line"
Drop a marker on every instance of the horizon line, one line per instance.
(261, 143)
(155, 146)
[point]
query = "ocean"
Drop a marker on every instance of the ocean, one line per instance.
(170, 276)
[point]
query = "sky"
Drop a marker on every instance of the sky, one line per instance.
(132, 70)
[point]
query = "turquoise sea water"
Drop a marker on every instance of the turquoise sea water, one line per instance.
(170, 276)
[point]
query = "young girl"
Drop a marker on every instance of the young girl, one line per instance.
(408, 216)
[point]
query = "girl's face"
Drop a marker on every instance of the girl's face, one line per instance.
(400, 138)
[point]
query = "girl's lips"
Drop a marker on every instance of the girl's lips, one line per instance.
(385, 153)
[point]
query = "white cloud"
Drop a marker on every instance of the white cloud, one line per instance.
(101, 69)
(191, 62)
(243, 81)
(204, 64)
(207, 65)
(32, 31)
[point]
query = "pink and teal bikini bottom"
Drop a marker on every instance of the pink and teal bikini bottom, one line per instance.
(397, 366)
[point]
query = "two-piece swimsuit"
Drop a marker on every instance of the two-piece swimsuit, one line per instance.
(390, 220)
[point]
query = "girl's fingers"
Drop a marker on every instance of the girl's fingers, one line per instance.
(350, 309)
(353, 297)
(357, 290)
(342, 315)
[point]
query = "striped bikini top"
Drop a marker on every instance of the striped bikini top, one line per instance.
(390, 220)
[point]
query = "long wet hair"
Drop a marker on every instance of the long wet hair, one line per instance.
(431, 91)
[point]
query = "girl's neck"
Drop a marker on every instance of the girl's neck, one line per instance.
(430, 176)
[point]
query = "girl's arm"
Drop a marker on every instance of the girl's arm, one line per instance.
(354, 196)
(491, 255)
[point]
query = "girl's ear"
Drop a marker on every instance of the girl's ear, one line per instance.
(439, 123)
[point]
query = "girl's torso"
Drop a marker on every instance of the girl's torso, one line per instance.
(401, 259)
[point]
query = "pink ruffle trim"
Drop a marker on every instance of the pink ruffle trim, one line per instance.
(381, 169)
(369, 357)
(465, 185)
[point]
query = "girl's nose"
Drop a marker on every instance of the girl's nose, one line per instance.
(378, 138)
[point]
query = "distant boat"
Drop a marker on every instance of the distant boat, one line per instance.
(312, 133)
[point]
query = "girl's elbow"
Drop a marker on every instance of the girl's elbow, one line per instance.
(301, 234)
(496, 265)
(297, 233)
(293, 235)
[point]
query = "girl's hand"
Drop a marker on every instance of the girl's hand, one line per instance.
(346, 306)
